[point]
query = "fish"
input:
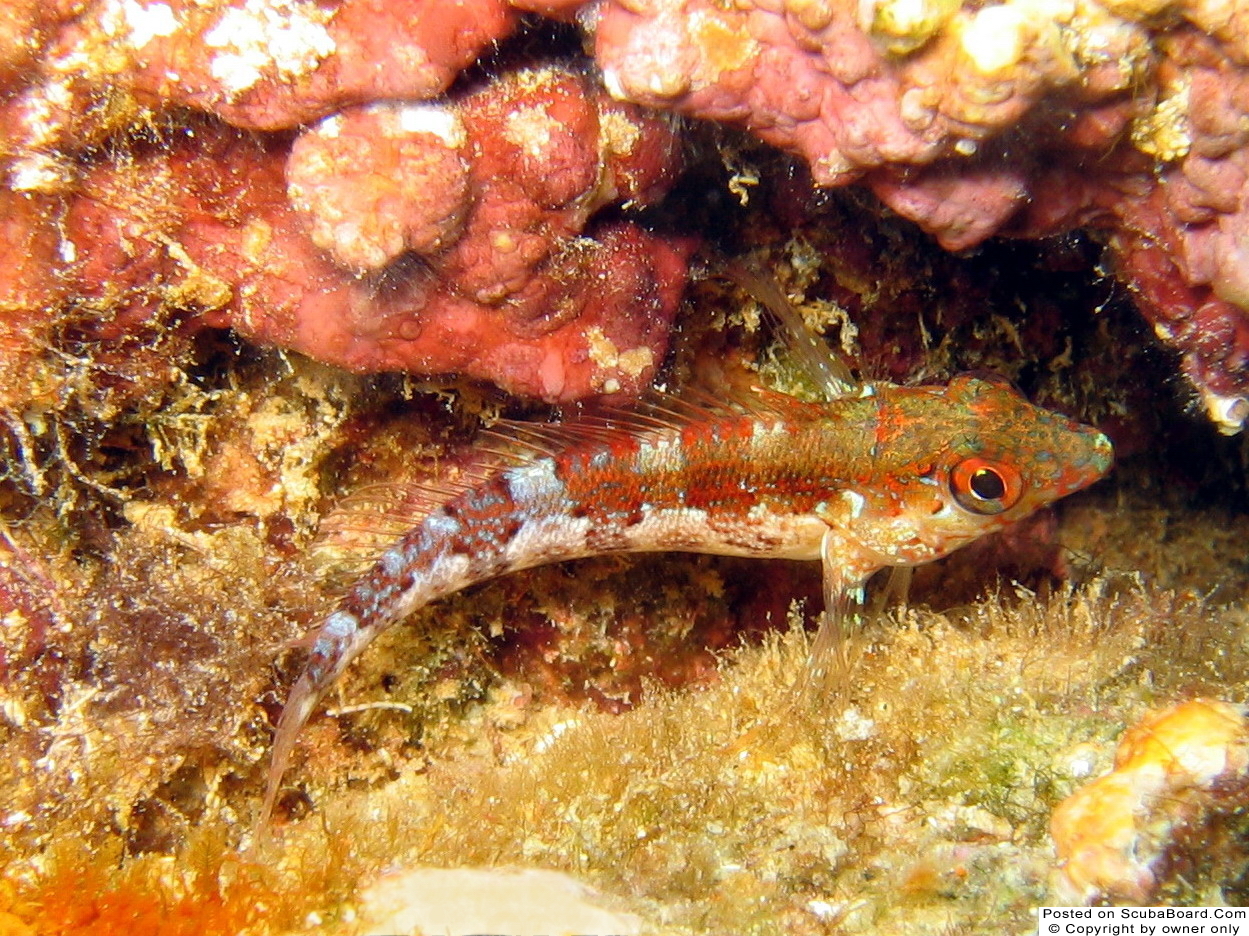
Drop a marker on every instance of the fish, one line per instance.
(881, 476)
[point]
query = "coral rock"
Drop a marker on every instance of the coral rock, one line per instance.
(470, 269)
(1023, 117)
(1181, 243)
(1174, 770)
(264, 64)
(376, 181)
(1020, 117)
(916, 83)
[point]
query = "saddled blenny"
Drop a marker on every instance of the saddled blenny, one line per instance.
(875, 476)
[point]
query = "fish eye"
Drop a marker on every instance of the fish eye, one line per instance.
(987, 484)
(985, 487)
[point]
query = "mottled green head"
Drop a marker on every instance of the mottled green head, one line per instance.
(954, 463)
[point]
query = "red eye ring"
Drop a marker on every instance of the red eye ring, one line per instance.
(985, 487)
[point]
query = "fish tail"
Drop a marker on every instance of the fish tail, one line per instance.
(419, 568)
(339, 640)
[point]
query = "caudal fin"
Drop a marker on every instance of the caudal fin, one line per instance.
(336, 644)
(299, 708)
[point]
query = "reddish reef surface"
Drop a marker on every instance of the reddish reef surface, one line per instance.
(1013, 118)
(427, 255)
(458, 236)
(424, 238)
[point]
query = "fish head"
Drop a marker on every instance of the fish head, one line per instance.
(968, 459)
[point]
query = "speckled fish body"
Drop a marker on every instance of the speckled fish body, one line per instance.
(890, 476)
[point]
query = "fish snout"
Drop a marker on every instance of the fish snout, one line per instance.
(1090, 461)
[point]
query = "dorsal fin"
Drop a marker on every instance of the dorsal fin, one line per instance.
(364, 523)
(822, 367)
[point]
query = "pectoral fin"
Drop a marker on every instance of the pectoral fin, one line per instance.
(833, 652)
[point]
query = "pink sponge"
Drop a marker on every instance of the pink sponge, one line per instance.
(430, 238)
(977, 119)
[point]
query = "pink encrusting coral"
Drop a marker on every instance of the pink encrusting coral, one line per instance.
(401, 230)
(436, 237)
(878, 92)
(256, 64)
(493, 193)
(971, 119)
(390, 238)
(1182, 245)
(1018, 118)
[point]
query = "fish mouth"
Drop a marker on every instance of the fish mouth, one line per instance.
(1098, 459)
(1103, 453)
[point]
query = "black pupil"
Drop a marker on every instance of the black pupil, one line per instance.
(987, 484)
